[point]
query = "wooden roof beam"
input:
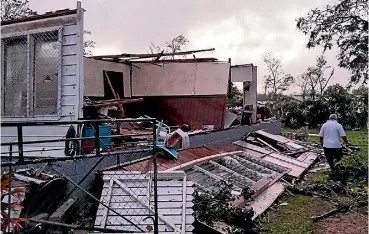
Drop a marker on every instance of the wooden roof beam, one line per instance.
(125, 55)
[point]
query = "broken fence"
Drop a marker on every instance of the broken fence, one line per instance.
(71, 192)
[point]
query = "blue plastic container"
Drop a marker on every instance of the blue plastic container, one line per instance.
(104, 130)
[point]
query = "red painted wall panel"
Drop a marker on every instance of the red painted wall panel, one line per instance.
(184, 110)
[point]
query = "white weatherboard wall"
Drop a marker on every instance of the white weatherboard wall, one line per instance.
(180, 79)
(247, 74)
(94, 76)
(70, 91)
(241, 73)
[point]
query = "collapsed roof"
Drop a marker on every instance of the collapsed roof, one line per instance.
(156, 57)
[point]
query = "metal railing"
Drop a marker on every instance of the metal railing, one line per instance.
(20, 143)
(66, 193)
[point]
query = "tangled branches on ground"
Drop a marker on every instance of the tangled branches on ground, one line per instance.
(348, 185)
(215, 206)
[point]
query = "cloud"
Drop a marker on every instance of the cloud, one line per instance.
(243, 30)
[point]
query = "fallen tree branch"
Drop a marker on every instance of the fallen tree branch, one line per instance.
(307, 192)
(329, 213)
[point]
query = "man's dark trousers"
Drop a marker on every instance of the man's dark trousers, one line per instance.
(331, 154)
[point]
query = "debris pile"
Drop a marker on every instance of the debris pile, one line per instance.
(33, 194)
(260, 163)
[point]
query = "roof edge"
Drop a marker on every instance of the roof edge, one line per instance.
(39, 17)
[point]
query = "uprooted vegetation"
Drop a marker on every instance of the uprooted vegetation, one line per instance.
(320, 193)
(214, 207)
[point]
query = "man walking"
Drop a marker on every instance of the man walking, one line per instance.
(330, 135)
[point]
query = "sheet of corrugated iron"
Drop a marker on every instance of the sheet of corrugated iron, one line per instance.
(224, 148)
(184, 110)
(241, 170)
(297, 167)
(185, 155)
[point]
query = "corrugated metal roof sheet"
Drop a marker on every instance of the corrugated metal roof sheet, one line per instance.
(208, 110)
(130, 194)
(185, 155)
(238, 168)
(224, 148)
(298, 167)
(207, 165)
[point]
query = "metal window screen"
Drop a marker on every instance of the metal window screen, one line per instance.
(46, 72)
(15, 77)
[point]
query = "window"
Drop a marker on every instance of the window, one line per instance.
(46, 69)
(15, 77)
(31, 75)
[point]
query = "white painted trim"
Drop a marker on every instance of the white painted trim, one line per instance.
(59, 98)
(80, 63)
(106, 211)
(29, 76)
(184, 194)
(28, 32)
(30, 119)
(2, 77)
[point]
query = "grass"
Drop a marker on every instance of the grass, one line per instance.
(295, 218)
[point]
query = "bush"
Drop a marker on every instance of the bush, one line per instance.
(351, 108)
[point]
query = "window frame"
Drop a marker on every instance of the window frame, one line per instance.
(31, 75)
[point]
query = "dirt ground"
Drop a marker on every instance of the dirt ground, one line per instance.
(344, 223)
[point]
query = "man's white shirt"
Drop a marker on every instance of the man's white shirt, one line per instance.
(331, 132)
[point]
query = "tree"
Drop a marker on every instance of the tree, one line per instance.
(360, 106)
(176, 44)
(277, 81)
(236, 97)
(88, 44)
(338, 100)
(319, 71)
(344, 24)
(155, 49)
(13, 9)
(303, 84)
(173, 46)
(314, 81)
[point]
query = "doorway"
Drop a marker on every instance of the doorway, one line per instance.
(116, 80)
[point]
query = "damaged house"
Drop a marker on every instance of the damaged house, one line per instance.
(49, 79)
(46, 79)
(178, 91)
(42, 77)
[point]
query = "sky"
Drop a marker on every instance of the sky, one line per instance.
(243, 30)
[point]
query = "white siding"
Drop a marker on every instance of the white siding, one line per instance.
(176, 79)
(247, 73)
(70, 73)
(94, 78)
(249, 96)
(70, 88)
(241, 73)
